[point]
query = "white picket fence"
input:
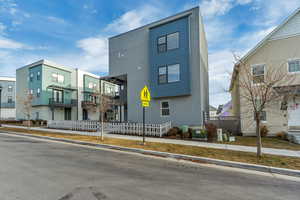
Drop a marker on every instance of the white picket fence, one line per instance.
(154, 130)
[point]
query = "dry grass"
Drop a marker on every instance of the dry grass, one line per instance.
(268, 160)
(268, 142)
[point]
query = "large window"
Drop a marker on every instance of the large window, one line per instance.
(263, 116)
(10, 88)
(168, 74)
(173, 73)
(173, 41)
(258, 72)
(162, 74)
(38, 92)
(164, 108)
(92, 85)
(168, 42)
(58, 78)
(38, 76)
(9, 99)
(294, 66)
(31, 77)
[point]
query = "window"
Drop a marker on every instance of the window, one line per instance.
(9, 99)
(168, 74)
(173, 73)
(90, 85)
(61, 78)
(38, 92)
(294, 66)
(263, 116)
(10, 88)
(164, 108)
(258, 72)
(162, 44)
(58, 78)
(31, 91)
(173, 41)
(168, 42)
(162, 75)
(38, 76)
(31, 77)
(54, 77)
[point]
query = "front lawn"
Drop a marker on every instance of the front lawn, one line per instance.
(268, 160)
(268, 142)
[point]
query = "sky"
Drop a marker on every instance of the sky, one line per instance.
(75, 32)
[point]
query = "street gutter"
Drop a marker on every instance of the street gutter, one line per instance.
(261, 168)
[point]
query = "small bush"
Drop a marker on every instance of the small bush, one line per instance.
(173, 131)
(211, 130)
(282, 135)
(264, 131)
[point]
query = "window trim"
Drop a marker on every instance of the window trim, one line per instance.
(255, 65)
(167, 74)
(158, 80)
(160, 108)
(288, 66)
(166, 42)
(38, 76)
(178, 40)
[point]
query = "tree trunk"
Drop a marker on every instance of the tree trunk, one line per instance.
(102, 122)
(258, 142)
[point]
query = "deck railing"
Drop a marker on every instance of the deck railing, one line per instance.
(154, 130)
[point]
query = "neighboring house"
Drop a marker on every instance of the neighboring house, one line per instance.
(281, 48)
(170, 57)
(225, 110)
(212, 111)
(59, 93)
(8, 98)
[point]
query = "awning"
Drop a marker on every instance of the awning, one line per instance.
(288, 90)
(57, 87)
(119, 80)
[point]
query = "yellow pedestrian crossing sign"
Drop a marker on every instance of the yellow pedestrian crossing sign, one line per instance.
(145, 94)
(145, 97)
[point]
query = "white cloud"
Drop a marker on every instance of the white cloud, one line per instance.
(6, 43)
(136, 18)
(2, 28)
(56, 20)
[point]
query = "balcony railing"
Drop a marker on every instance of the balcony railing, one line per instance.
(62, 102)
(86, 103)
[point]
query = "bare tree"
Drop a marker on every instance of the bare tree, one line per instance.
(27, 102)
(257, 90)
(105, 104)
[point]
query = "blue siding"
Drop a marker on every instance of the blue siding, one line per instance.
(176, 56)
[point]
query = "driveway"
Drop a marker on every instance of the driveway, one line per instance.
(33, 169)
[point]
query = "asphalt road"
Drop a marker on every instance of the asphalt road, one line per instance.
(40, 170)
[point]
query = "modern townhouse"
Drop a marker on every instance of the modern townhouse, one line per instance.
(7, 98)
(170, 57)
(59, 92)
(281, 48)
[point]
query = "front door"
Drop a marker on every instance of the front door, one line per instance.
(294, 113)
(68, 112)
(85, 115)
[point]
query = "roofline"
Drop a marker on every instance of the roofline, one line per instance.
(7, 78)
(261, 43)
(48, 63)
(161, 21)
(266, 38)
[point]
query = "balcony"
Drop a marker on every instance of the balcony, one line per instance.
(88, 103)
(63, 103)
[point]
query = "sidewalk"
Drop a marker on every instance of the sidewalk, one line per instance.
(280, 152)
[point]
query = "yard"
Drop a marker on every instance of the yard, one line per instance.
(268, 160)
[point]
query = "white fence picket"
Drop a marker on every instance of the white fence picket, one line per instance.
(92, 127)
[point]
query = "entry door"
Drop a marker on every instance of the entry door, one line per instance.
(58, 95)
(294, 115)
(68, 113)
(85, 115)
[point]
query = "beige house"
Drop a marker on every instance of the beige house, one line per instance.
(279, 49)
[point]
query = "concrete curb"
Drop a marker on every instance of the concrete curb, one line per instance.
(241, 165)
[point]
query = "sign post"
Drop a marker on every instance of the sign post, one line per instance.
(145, 99)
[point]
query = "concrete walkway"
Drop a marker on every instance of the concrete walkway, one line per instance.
(280, 152)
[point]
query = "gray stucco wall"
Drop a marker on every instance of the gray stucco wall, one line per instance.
(129, 54)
